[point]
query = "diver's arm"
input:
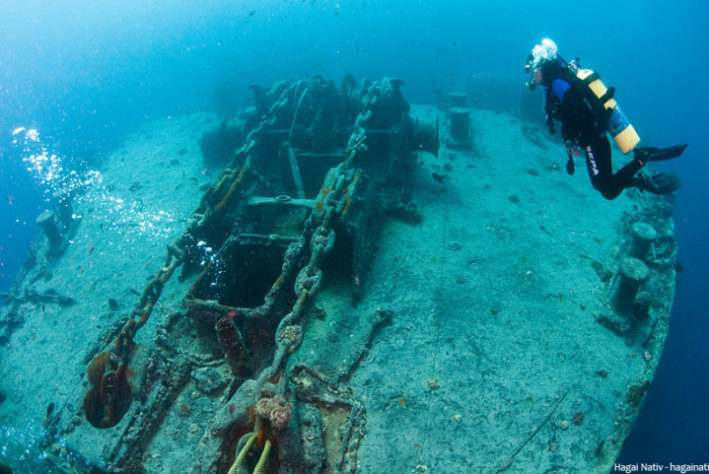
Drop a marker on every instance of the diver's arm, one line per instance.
(551, 108)
(576, 117)
(572, 112)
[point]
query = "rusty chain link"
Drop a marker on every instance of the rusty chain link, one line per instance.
(218, 196)
(218, 193)
(322, 241)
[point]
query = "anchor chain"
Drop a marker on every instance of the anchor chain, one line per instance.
(289, 333)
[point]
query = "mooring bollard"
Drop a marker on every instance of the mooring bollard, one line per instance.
(643, 237)
(64, 207)
(460, 125)
(631, 274)
(458, 99)
(48, 224)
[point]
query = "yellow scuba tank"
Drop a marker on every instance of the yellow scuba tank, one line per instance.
(618, 124)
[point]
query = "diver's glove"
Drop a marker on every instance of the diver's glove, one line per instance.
(570, 168)
(571, 150)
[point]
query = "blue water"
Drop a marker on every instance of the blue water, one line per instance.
(87, 72)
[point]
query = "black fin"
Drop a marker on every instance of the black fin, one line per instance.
(662, 183)
(649, 153)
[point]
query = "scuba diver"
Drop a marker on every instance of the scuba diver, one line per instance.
(587, 110)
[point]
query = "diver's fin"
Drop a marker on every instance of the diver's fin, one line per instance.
(650, 153)
(663, 183)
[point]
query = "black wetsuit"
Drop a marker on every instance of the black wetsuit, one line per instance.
(565, 101)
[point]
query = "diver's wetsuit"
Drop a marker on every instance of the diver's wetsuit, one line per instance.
(565, 102)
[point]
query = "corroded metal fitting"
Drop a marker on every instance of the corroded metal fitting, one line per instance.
(460, 123)
(643, 237)
(631, 274)
(64, 207)
(458, 99)
(46, 220)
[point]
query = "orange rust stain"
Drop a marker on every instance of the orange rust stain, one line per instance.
(232, 187)
(97, 367)
(346, 207)
(326, 189)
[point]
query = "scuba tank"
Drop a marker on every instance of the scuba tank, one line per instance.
(606, 108)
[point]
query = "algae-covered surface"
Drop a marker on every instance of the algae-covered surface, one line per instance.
(484, 340)
(499, 361)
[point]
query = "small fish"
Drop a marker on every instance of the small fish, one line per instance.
(437, 177)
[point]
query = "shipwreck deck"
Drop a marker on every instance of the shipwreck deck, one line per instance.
(484, 340)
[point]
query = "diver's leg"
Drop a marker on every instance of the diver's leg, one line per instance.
(662, 183)
(600, 170)
(625, 176)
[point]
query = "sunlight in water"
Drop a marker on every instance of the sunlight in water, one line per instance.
(47, 168)
(87, 187)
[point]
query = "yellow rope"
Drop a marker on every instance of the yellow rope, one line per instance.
(263, 458)
(242, 454)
